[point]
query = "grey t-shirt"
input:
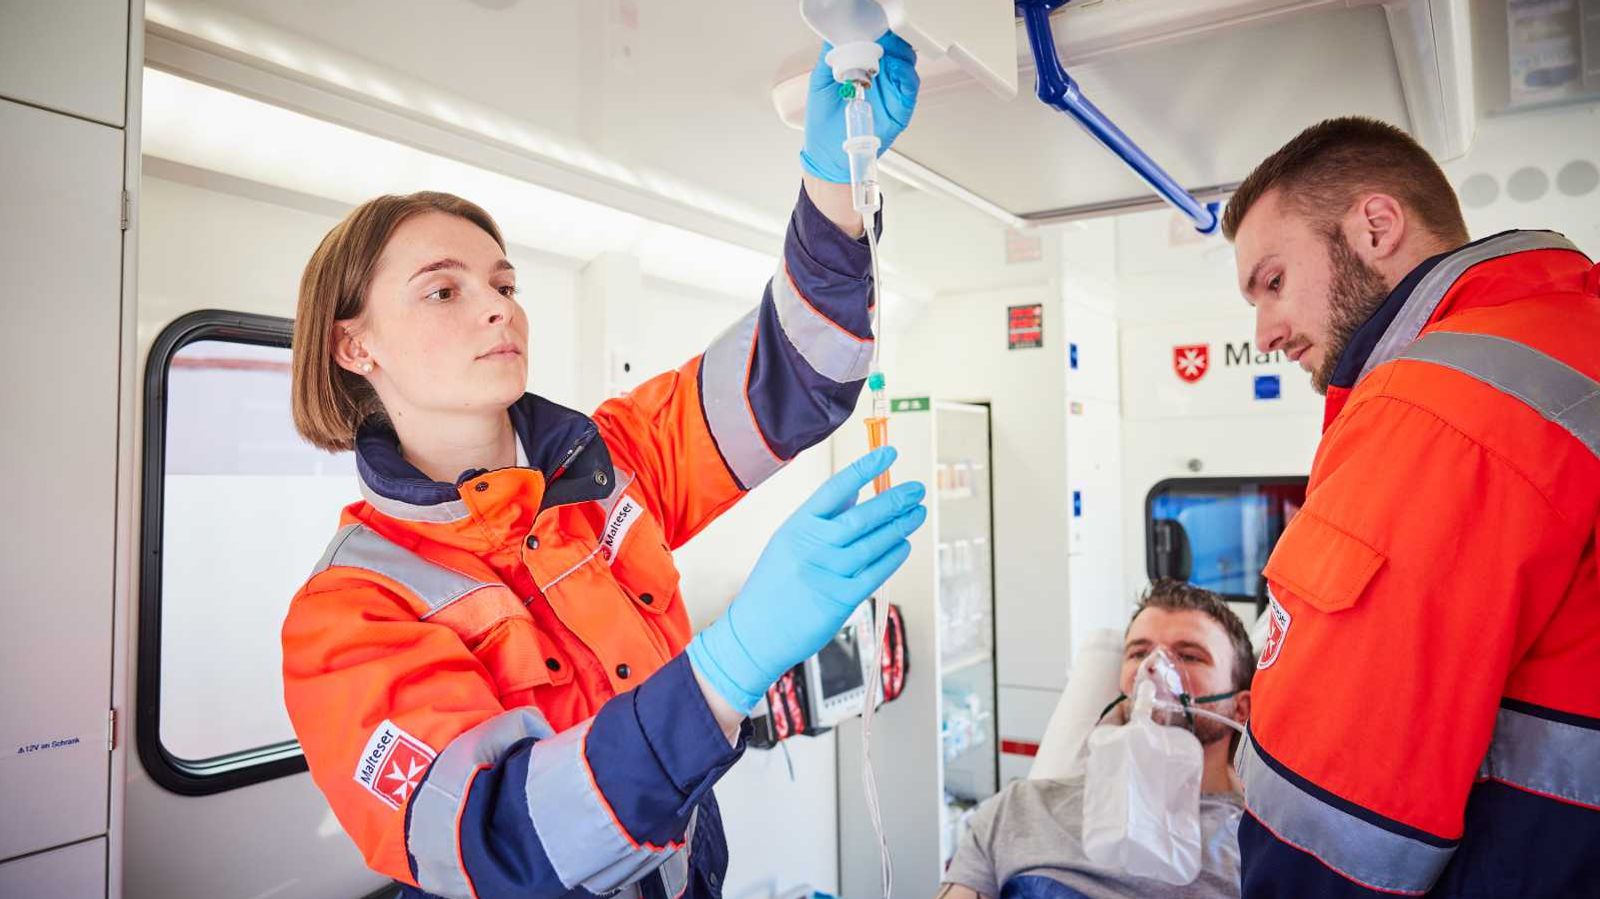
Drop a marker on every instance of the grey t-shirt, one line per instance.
(1034, 829)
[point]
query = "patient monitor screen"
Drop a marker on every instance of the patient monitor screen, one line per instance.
(839, 663)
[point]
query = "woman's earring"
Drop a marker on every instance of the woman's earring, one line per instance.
(366, 368)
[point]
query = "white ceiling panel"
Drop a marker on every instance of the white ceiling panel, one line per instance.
(1206, 108)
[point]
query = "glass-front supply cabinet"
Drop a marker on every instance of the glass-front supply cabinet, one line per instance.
(935, 749)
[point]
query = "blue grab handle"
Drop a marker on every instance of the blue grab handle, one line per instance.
(1056, 88)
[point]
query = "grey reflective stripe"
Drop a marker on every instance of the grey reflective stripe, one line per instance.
(333, 548)
(358, 546)
(675, 870)
(724, 375)
(431, 835)
(1428, 293)
(546, 588)
(579, 834)
(1552, 388)
(1552, 758)
(1364, 852)
(438, 513)
(829, 349)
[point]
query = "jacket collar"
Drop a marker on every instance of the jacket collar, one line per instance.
(561, 444)
(1416, 301)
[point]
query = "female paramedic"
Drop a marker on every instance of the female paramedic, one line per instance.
(490, 670)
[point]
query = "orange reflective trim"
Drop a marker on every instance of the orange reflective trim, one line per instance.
(784, 271)
(588, 772)
(461, 857)
(744, 391)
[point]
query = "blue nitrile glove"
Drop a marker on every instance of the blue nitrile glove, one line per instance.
(820, 565)
(893, 97)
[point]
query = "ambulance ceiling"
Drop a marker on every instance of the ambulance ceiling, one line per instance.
(678, 96)
(1206, 108)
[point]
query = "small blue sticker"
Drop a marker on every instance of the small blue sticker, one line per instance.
(1268, 387)
(1072, 356)
(1077, 504)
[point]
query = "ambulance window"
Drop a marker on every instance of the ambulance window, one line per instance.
(1217, 533)
(237, 511)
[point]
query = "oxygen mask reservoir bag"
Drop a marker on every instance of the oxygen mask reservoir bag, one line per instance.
(1141, 808)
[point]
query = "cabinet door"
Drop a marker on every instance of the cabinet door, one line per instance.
(61, 252)
(71, 56)
(73, 872)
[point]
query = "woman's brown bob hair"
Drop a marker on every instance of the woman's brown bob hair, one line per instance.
(329, 403)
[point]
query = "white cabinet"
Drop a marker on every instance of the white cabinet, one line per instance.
(66, 55)
(935, 749)
(1094, 476)
(61, 251)
(71, 872)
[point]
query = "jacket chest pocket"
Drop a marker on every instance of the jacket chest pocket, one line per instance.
(643, 567)
(1321, 564)
(633, 546)
(497, 629)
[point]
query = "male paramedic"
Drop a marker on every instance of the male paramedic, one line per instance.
(1027, 841)
(1427, 706)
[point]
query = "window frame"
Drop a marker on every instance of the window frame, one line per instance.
(188, 777)
(1216, 484)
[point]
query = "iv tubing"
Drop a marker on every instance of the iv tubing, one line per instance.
(880, 622)
(862, 145)
(1191, 710)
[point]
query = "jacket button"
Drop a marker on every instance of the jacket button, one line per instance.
(532, 542)
(601, 479)
(552, 664)
(647, 599)
(623, 671)
(481, 486)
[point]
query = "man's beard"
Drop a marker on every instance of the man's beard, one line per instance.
(1210, 730)
(1355, 292)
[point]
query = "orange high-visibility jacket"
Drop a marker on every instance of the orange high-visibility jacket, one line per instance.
(487, 677)
(1426, 715)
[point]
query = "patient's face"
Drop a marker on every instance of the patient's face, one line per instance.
(1200, 648)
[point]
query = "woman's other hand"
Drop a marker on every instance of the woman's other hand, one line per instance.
(822, 563)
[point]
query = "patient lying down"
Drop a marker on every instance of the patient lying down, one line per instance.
(1028, 842)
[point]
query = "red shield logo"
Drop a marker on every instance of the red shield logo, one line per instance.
(1191, 362)
(1277, 631)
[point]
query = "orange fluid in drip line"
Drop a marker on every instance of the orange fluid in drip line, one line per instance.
(878, 438)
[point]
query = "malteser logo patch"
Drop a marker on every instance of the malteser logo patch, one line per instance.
(393, 764)
(623, 516)
(1277, 631)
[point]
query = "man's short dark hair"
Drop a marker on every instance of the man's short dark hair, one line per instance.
(1327, 166)
(1177, 596)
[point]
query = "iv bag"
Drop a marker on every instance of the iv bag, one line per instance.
(853, 28)
(845, 21)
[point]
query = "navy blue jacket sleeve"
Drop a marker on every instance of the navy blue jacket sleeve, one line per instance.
(782, 378)
(510, 808)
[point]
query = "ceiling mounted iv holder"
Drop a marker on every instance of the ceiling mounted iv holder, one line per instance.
(1056, 88)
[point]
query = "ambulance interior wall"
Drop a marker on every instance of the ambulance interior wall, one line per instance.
(1054, 431)
(219, 243)
(1076, 429)
(1176, 288)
